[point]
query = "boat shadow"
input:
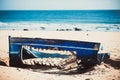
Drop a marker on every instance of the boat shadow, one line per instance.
(114, 63)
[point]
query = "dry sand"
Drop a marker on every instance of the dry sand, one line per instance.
(110, 70)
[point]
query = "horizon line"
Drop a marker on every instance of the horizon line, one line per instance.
(51, 9)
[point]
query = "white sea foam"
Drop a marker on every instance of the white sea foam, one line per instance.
(59, 26)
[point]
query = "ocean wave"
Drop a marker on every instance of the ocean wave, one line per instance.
(59, 26)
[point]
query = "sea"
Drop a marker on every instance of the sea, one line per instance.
(60, 20)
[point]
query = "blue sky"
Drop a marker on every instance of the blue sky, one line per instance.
(58, 4)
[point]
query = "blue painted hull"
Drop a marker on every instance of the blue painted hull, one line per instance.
(84, 50)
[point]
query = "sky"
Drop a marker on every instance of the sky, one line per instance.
(58, 4)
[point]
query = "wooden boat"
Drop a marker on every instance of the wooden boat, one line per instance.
(22, 49)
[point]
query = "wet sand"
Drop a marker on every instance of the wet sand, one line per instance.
(110, 70)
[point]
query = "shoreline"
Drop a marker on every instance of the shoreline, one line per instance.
(31, 26)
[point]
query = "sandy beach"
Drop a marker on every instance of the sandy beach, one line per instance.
(109, 70)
